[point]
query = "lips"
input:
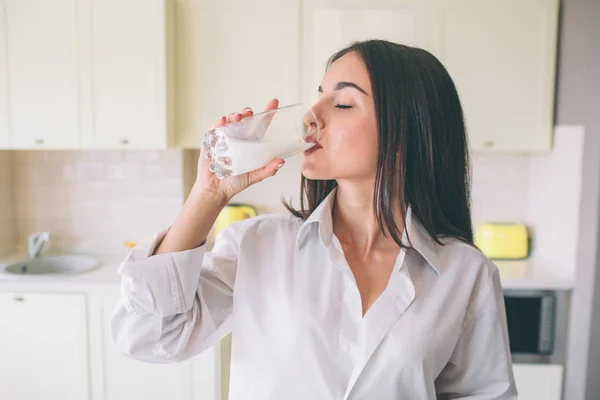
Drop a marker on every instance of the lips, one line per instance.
(311, 139)
(316, 147)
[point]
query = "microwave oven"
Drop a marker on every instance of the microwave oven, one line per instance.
(537, 325)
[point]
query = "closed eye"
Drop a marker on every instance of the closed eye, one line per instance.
(342, 106)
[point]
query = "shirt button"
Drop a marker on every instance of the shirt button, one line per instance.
(349, 283)
(344, 347)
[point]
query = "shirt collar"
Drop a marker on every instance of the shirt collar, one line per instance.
(418, 237)
(321, 217)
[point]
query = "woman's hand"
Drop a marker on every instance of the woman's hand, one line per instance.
(226, 188)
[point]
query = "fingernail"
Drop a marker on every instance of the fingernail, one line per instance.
(279, 166)
(248, 109)
(238, 115)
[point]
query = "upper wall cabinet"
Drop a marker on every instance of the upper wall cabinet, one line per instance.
(40, 99)
(331, 25)
(158, 73)
(502, 57)
(233, 54)
(500, 54)
(126, 73)
(84, 73)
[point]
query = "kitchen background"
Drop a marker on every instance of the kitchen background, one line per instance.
(128, 164)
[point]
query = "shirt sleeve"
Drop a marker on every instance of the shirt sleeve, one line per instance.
(480, 367)
(174, 305)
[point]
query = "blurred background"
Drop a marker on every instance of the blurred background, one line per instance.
(103, 104)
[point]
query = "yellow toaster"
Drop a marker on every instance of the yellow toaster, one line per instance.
(503, 241)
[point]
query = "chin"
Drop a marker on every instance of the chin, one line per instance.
(312, 171)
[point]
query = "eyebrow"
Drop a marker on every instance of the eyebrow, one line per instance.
(342, 85)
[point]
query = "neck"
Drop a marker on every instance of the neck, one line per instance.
(354, 221)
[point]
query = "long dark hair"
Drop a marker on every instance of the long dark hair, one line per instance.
(423, 157)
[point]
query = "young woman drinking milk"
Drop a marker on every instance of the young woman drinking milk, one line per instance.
(372, 290)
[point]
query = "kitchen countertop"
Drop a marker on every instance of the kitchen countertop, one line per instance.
(523, 275)
(533, 275)
(102, 278)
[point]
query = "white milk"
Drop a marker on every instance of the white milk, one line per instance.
(247, 156)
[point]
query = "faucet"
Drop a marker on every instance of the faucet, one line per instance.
(36, 242)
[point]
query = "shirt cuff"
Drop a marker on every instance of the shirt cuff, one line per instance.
(164, 284)
(146, 249)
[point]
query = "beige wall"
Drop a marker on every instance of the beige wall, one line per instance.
(94, 200)
(7, 221)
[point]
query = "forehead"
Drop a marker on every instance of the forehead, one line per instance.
(349, 68)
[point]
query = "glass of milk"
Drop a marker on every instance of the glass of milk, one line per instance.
(240, 147)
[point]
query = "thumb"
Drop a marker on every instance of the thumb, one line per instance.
(267, 171)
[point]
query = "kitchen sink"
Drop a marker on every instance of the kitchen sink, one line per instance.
(52, 265)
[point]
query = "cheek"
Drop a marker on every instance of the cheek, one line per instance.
(350, 150)
(357, 140)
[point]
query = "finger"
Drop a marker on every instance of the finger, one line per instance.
(272, 105)
(204, 159)
(267, 171)
(247, 112)
(203, 153)
(234, 117)
(222, 121)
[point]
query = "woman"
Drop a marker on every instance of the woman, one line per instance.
(373, 290)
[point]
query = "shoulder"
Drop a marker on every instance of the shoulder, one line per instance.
(472, 273)
(467, 266)
(466, 258)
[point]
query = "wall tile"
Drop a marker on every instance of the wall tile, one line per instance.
(93, 201)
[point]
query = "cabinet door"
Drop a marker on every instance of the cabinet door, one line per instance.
(538, 381)
(39, 106)
(124, 51)
(4, 132)
(206, 376)
(43, 346)
(329, 26)
(232, 54)
(502, 56)
(118, 377)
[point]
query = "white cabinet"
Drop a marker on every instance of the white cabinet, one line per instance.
(329, 26)
(43, 346)
(125, 55)
(4, 97)
(117, 377)
(539, 381)
(39, 74)
(206, 376)
(232, 54)
(158, 73)
(86, 73)
(502, 57)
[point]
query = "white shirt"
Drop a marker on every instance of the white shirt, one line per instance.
(285, 290)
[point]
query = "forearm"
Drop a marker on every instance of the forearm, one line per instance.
(192, 225)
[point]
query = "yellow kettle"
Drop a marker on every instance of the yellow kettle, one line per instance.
(233, 212)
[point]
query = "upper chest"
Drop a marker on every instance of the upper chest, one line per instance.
(371, 272)
(318, 286)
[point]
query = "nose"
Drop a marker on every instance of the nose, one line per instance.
(313, 122)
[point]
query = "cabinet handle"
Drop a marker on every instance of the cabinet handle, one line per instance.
(489, 143)
(124, 141)
(39, 141)
(19, 298)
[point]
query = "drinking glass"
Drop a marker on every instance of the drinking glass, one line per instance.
(249, 144)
